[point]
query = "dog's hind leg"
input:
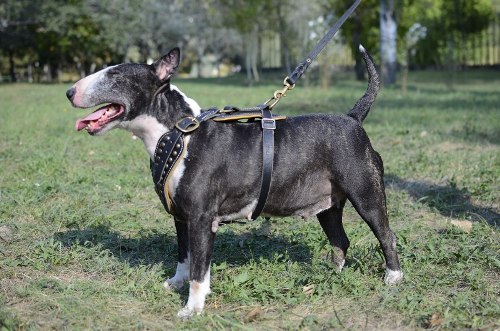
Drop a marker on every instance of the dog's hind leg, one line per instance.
(201, 242)
(368, 198)
(331, 222)
(182, 271)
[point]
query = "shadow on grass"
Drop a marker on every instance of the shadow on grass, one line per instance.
(475, 134)
(449, 200)
(234, 249)
(150, 249)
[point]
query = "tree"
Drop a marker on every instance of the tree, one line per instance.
(71, 33)
(388, 41)
(18, 24)
(361, 28)
(246, 18)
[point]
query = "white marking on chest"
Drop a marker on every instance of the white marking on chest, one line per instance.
(192, 104)
(148, 129)
(177, 173)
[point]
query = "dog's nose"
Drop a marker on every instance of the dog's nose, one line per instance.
(70, 93)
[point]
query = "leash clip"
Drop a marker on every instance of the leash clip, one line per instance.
(278, 94)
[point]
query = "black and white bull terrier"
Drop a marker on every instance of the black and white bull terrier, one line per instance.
(320, 162)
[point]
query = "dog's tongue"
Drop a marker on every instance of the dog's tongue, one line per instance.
(82, 123)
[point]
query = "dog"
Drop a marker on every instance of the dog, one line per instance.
(320, 162)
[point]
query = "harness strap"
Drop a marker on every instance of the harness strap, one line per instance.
(268, 124)
(169, 150)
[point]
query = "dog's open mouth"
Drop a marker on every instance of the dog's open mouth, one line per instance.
(98, 119)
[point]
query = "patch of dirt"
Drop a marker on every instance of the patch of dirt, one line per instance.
(464, 225)
(346, 316)
(449, 146)
(6, 233)
(447, 199)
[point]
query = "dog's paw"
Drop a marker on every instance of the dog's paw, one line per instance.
(173, 284)
(188, 312)
(340, 265)
(393, 277)
(337, 257)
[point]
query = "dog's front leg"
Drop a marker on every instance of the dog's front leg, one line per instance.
(182, 271)
(201, 242)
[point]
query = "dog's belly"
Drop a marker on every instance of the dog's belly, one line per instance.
(306, 211)
(305, 196)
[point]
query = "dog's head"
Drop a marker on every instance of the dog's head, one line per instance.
(123, 92)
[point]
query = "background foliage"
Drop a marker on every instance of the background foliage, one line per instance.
(54, 36)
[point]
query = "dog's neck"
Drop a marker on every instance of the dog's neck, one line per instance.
(166, 109)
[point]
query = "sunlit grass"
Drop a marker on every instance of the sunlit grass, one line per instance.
(85, 243)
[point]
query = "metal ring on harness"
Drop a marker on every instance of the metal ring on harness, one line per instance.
(187, 124)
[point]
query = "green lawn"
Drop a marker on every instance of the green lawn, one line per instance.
(85, 243)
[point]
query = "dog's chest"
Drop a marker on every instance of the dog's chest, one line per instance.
(178, 172)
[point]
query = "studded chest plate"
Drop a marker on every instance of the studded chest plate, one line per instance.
(168, 152)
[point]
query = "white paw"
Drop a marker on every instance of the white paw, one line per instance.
(340, 265)
(393, 277)
(181, 276)
(173, 284)
(187, 312)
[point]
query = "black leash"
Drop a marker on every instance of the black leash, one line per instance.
(302, 67)
(268, 126)
(170, 147)
(289, 82)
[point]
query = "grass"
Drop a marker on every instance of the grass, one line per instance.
(85, 244)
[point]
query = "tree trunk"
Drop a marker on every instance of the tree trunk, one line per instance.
(254, 50)
(30, 72)
(325, 70)
(12, 67)
(404, 73)
(288, 64)
(359, 67)
(54, 71)
(285, 55)
(252, 56)
(248, 62)
(48, 72)
(388, 35)
(200, 51)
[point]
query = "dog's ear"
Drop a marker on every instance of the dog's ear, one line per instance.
(165, 67)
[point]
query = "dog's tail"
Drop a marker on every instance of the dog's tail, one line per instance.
(362, 107)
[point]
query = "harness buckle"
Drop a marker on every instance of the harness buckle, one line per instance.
(268, 123)
(187, 124)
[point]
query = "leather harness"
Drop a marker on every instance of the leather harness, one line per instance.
(171, 148)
